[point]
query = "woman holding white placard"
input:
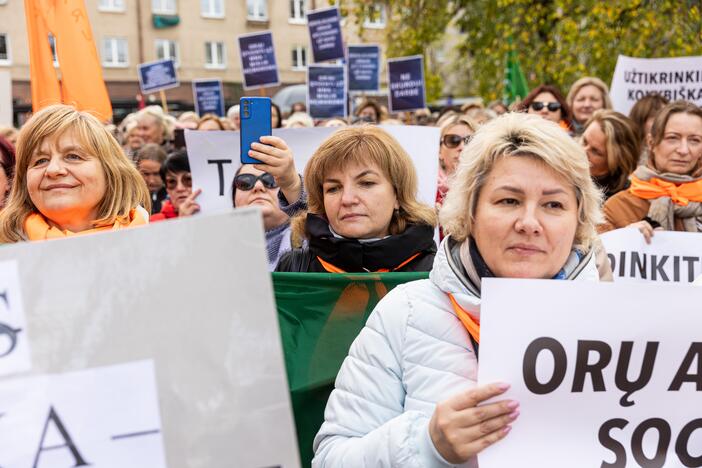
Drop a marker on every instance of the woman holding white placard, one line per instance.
(666, 193)
(522, 205)
(71, 177)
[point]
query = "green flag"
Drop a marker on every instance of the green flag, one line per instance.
(320, 314)
(515, 83)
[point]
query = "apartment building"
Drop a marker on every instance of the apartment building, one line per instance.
(200, 35)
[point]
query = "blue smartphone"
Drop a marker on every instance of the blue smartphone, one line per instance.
(255, 115)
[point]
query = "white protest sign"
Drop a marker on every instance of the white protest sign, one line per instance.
(193, 297)
(214, 159)
(677, 78)
(670, 257)
(14, 340)
(106, 417)
(606, 374)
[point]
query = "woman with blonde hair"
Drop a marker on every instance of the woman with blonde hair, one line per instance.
(522, 205)
(456, 131)
(71, 177)
(613, 148)
(666, 193)
(586, 96)
(211, 122)
(363, 214)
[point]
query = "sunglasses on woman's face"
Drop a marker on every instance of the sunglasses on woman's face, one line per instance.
(184, 178)
(247, 182)
(551, 106)
(452, 141)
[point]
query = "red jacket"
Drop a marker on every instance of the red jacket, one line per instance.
(167, 212)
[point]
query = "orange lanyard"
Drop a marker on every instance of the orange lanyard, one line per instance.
(471, 324)
(335, 269)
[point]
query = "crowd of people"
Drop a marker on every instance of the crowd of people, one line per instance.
(523, 192)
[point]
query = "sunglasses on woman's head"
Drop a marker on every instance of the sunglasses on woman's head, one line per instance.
(246, 182)
(552, 106)
(452, 141)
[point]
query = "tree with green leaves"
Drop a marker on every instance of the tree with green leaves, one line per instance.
(556, 41)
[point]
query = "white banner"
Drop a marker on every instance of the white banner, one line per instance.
(180, 295)
(14, 337)
(670, 257)
(106, 417)
(606, 374)
(214, 159)
(676, 78)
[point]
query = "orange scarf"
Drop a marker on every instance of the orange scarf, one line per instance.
(335, 269)
(472, 325)
(680, 194)
(37, 228)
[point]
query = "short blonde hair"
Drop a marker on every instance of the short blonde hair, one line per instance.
(369, 144)
(589, 81)
(125, 188)
(520, 135)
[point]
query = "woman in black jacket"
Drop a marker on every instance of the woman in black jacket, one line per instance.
(363, 215)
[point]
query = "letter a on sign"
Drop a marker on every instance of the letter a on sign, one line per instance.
(67, 444)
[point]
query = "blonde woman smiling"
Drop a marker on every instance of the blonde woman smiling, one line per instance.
(71, 177)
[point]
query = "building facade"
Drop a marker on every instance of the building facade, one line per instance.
(200, 35)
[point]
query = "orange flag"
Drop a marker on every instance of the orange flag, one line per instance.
(81, 82)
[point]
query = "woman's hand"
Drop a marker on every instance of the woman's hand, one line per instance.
(189, 206)
(646, 229)
(278, 161)
(460, 429)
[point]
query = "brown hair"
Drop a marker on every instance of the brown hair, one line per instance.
(212, 117)
(661, 121)
(622, 144)
(645, 108)
(367, 144)
(151, 152)
(126, 188)
(545, 88)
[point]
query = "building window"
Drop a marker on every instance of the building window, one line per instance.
(54, 54)
(257, 10)
(114, 52)
(164, 7)
(212, 8)
(298, 10)
(111, 5)
(214, 55)
(299, 58)
(167, 49)
(374, 16)
(4, 49)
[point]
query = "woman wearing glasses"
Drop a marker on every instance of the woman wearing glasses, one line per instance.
(253, 187)
(456, 131)
(666, 193)
(547, 102)
(175, 172)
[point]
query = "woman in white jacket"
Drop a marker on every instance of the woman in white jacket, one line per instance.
(522, 205)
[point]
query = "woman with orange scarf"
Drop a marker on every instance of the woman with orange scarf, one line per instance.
(666, 193)
(71, 177)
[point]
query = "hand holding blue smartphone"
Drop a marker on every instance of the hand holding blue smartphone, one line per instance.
(255, 114)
